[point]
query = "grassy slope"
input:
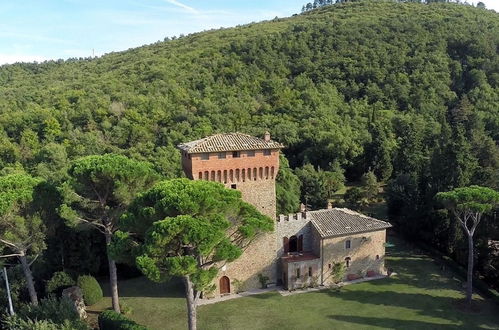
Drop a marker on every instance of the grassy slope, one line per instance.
(421, 296)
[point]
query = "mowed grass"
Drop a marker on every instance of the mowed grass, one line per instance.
(420, 296)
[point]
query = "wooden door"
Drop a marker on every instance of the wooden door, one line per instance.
(224, 285)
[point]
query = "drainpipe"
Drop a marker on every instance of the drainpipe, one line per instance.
(322, 261)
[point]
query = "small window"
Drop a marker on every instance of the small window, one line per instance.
(233, 186)
(267, 152)
(348, 244)
(221, 155)
(347, 261)
(236, 154)
(309, 271)
(250, 153)
(377, 257)
(298, 273)
(205, 156)
(330, 266)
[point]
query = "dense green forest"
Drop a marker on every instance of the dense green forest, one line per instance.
(407, 91)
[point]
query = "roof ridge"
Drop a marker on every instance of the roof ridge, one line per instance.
(231, 141)
(343, 221)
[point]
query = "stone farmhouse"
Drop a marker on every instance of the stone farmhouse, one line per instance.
(304, 246)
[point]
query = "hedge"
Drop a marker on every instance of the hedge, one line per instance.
(90, 288)
(110, 320)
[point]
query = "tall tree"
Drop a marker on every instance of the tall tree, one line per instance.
(378, 153)
(332, 180)
(287, 188)
(99, 190)
(21, 228)
(468, 205)
(187, 229)
(370, 184)
(312, 187)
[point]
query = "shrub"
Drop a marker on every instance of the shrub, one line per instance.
(17, 323)
(238, 285)
(58, 282)
(110, 320)
(51, 313)
(125, 308)
(263, 280)
(52, 309)
(90, 288)
(338, 272)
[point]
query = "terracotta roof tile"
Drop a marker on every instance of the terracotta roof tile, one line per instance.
(228, 142)
(339, 222)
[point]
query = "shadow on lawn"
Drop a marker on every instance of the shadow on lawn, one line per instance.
(423, 304)
(417, 269)
(390, 323)
(266, 295)
(142, 287)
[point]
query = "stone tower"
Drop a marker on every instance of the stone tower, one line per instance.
(239, 161)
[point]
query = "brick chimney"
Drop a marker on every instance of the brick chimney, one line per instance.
(266, 137)
(303, 208)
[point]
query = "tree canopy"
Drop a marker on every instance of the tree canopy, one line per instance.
(473, 199)
(187, 229)
(22, 231)
(468, 205)
(99, 189)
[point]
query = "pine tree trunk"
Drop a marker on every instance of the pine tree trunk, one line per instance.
(191, 303)
(113, 278)
(469, 284)
(29, 279)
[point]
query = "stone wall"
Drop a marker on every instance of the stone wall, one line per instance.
(260, 193)
(260, 257)
(305, 280)
(294, 224)
(366, 253)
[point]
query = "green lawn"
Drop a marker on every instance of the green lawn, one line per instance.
(421, 296)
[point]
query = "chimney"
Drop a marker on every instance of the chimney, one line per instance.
(303, 208)
(266, 137)
(329, 205)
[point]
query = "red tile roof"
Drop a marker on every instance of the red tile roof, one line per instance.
(228, 142)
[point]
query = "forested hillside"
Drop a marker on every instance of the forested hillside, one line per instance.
(408, 91)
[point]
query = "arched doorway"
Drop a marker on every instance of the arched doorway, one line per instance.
(224, 285)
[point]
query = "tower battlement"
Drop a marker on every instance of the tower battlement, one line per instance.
(239, 161)
(293, 216)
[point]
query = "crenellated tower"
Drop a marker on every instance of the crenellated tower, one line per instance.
(239, 161)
